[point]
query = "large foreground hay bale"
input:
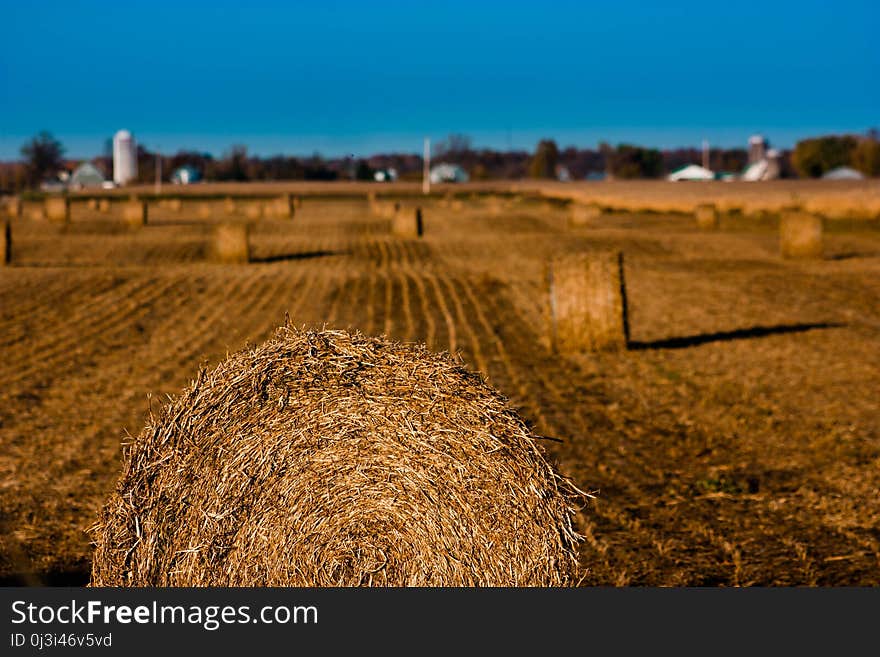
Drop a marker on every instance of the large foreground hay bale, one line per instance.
(58, 209)
(231, 243)
(331, 459)
(5, 243)
(588, 302)
(134, 213)
(407, 223)
(800, 235)
(583, 213)
(706, 215)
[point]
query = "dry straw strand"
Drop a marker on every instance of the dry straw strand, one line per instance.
(800, 235)
(588, 302)
(325, 458)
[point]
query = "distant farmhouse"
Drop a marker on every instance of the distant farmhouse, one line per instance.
(764, 164)
(185, 175)
(447, 173)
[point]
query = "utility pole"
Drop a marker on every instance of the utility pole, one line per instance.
(426, 171)
(158, 171)
(705, 153)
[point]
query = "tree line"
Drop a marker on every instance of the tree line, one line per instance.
(43, 157)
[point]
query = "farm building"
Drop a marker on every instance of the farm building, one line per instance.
(86, 175)
(767, 168)
(691, 172)
(446, 173)
(185, 175)
(843, 173)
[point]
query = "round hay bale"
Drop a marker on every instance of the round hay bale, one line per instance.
(204, 211)
(58, 209)
(332, 459)
(253, 210)
(231, 243)
(706, 215)
(584, 213)
(284, 207)
(134, 213)
(229, 205)
(36, 213)
(14, 207)
(104, 205)
(5, 243)
(800, 235)
(588, 302)
(407, 224)
(175, 204)
(92, 204)
(456, 205)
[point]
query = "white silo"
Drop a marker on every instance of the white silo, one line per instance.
(124, 157)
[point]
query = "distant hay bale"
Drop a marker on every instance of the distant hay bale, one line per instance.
(92, 204)
(588, 302)
(5, 243)
(456, 205)
(204, 211)
(407, 224)
(253, 210)
(175, 204)
(104, 205)
(583, 213)
(134, 213)
(58, 209)
(494, 206)
(707, 216)
(324, 458)
(231, 243)
(36, 213)
(229, 205)
(14, 207)
(800, 235)
(284, 206)
(297, 202)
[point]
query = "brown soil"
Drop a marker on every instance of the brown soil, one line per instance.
(736, 442)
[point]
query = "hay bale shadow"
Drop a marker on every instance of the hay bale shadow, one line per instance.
(727, 336)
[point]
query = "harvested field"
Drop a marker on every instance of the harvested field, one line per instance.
(736, 441)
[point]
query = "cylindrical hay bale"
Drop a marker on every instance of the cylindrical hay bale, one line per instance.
(282, 207)
(58, 209)
(229, 205)
(231, 243)
(36, 213)
(588, 302)
(175, 204)
(407, 224)
(104, 205)
(707, 216)
(800, 235)
(5, 243)
(332, 459)
(456, 205)
(297, 202)
(253, 210)
(14, 207)
(493, 206)
(204, 211)
(92, 204)
(583, 213)
(134, 213)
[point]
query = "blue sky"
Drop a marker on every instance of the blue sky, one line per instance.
(345, 77)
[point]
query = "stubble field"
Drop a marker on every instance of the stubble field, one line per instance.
(736, 442)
